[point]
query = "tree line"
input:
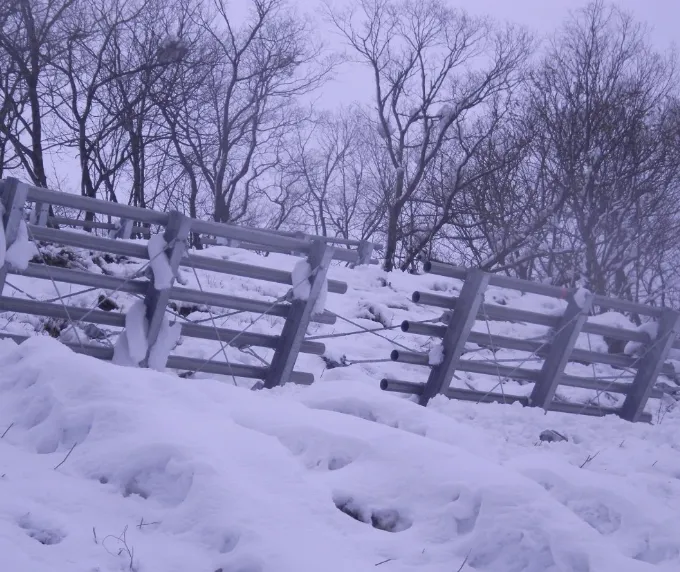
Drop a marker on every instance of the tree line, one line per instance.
(550, 159)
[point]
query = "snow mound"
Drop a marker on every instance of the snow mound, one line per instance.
(20, 252)
(108, 468)
(158, 260)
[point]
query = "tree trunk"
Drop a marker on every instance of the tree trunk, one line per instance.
(392, 236)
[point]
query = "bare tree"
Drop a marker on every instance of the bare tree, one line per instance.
(30, 36)
(228, 137)
(85, 71)
(605, 101)
(420, 55)
(328, 156)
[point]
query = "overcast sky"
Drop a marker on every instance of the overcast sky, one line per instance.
(540, 16)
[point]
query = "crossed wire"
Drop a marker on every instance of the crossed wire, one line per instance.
(262, 315)
(493, 348)
(531, 355)
(599, 392)
(139, 272)
(362, 329)
(649, 348)
(134, 275)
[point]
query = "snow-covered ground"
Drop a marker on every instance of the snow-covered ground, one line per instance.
(105, 468)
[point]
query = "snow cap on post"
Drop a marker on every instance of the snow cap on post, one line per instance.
(138, 344)
(12, 203)
(308, 298)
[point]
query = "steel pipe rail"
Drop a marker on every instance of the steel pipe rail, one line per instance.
(40, 195)
(238, 370)
(81, 223)
(263, 238)
(442, 269)
(541, 349)
(105, 353)
(410, 388)
(518, 373)
(124, 248)
(139, 287)
(117, 320)
(250, 271)
(507, 314)
(250, 235)
(87, 241)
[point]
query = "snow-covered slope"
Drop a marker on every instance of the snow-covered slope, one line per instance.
(166, 474)
(375, 300)
(105, 468)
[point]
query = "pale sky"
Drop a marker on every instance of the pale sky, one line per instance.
(540, 16)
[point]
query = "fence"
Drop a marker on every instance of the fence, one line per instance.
(356, 252)
(167, 252)
(157, 284)
(555, 353)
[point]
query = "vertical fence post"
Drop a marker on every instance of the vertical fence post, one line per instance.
(298, 319)
(461, 322)
(12, 200)
(40, 213)
(156, 301)
(650, 366)
(364, 252)
(124, 230)
(561, 346)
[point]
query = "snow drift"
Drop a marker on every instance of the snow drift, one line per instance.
(109, 468)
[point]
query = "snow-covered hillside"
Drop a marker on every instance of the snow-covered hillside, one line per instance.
(104, 468)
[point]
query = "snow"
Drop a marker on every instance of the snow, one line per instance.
(19, 253)
(199, 474)
(300, 277)
(223, 241)
(112, 234)
(167, 339)
(160, 265)
(436, 355)
(581, 297)
(133, 344)
(22, 250)
(651, 329)
(302, 286)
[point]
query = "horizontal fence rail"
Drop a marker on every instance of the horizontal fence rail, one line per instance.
(464, 323)
(135, 220)
(159, 296)
(555, 350)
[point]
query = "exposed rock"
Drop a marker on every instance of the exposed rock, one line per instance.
(552, 436)
(107, 304)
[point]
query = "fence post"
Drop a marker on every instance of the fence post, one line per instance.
(364, 251)
(561, 346)
(156, 301)
(650, 366)
(461, 322)
(298, 319)
(124, 230)
(40, 213)
(12, 200)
